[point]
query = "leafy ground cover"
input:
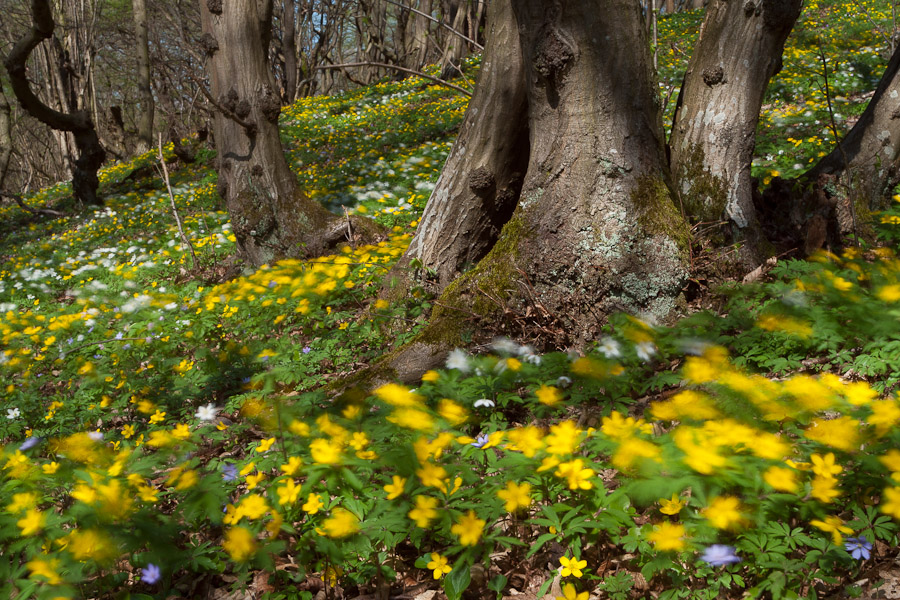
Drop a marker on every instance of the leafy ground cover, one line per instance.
(169, 434)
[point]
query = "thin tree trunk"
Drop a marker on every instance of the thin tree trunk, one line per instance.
(142, 49)
(5, 137)
(289, 47)
(714, 134)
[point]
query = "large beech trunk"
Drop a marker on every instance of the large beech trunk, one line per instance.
(270, 216)
(90, 152)
(595, 229)
(714, 133)
(142, 49)
(480, 182)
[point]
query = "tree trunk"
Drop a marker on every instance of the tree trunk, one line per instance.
(454, 47)
(480, 182)
(714, 133)
(289, 47)
(595, 229)
(90, 153)
(142, 48)
(270, 216)
(870, 152)
(5, 137)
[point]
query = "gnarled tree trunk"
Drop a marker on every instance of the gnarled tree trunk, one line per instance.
(270, 216)
(595, 229)
(714, 133)
(90, 153)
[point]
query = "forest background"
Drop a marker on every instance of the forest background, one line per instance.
(180, 424)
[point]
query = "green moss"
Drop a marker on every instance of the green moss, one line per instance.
(658, 215)
(703, 195)
(472, 294)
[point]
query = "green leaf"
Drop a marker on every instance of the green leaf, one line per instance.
(457, 581)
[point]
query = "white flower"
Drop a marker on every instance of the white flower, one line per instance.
(563, 381)
(459, 360)
(610, 348)
(484, 402)
(208, 412)
(505, 345)
(645, 350)
(12, 413)
(97, 436)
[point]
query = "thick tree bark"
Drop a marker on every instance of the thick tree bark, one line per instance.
(270, 216)
(714, 133)
(142, 49)
(596, 229)
(480, 182)
(90, 153)
(5, 137)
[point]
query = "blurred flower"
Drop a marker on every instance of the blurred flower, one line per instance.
(610, 348)
(719, 555)
(645, 350)
(229, 472)
(208, 412)
(484, 402)
(459, 360)
(150, 574)
(31, 443)
(481, 440)
(859, 548)
(570, 593)
(671, 507)
(12, 413)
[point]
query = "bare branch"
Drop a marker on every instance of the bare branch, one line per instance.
(437, 80)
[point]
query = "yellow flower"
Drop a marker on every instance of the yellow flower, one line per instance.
(293, 465)
(325, 452)
(398, 395)
(454, 413)
(783, 479)
(341, 523)
(264, 445)
(254, 480)
(157, 417)
(395, 488)
(824, 489)
(412, 418)
(571, 566)
(22, 501)
(671, 507)
(288, 493)
(50, 468)
(577, 476)
(563, 439)
(90, 544)
(723, 512)
(890, 502)
(240, 543)
(33, 521)
(549, 395)
(841, 433)
(313, 504)
(516, 496)
(833, 525)
(468, 528)
(438, 565)
(48, 569)
(527, 440)
(825, 465)
(424, 511)
(667, 536)
(127, 431)
(431, 376)
(432, 475)
(570, 593)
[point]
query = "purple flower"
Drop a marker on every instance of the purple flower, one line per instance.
(229, 472)
(150, 574)
(859, 548)
(31, 443)
(719, 555)
(481, 440)
(306, 349)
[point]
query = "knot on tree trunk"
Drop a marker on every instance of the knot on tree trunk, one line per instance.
(552, 55)
(269, 104)
(482, 182)
(214, 6)
(209, 44)
(713, 75)
(242, 109)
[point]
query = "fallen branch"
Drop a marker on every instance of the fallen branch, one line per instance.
(35, 211)
(437, 80)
